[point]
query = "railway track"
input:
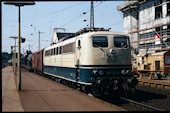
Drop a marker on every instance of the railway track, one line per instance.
(145, 99)
(140, 105)
(129, 104)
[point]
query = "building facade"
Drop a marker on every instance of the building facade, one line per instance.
(148, 24)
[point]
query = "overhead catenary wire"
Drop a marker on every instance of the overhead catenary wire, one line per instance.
(42, 15)
(114, 23)
(49, 27)
(70, 21)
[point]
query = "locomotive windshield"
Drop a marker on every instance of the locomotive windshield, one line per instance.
(100, 41)
(121, 41)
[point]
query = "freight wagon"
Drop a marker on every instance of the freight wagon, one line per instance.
(37, 61)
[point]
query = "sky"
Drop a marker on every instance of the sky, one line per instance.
(44, 16)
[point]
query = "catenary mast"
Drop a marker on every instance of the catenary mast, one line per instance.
(92, 16)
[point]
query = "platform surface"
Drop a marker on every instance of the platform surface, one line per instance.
(10, 97)
(41, 94)
(162, 80)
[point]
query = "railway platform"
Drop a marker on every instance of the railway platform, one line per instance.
(163, 83)
(10, 96)
(41, 94)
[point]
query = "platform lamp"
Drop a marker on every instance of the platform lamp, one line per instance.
(12, 51)
(19, 4)
(14, 63)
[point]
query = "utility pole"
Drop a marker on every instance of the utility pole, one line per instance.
(92, 16)
(29, 47)
(39, 40)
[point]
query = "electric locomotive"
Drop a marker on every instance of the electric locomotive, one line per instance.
(96, 60)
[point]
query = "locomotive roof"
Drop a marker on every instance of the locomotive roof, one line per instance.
(104, 33)
(87, 33)
(61, 35)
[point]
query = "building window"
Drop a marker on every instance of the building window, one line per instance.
(149, 45)
(168, 8)
(159, 30)
(167, 59)
(168, 29)
(158, 12)
(147, 35)
(158, 2)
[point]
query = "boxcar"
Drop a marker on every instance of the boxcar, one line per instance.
(37, 61)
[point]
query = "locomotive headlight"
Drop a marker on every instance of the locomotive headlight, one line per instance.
(112, 51)
(123, 72)
(101, 72)
(128, 72)
(95, 72)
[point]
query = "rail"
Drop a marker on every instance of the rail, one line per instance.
(140, 104)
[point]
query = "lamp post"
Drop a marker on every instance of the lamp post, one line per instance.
(14, 63)
(19, 4)
(12, 51)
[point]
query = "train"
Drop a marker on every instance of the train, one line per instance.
(93, 60)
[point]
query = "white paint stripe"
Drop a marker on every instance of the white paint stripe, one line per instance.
(69, 79)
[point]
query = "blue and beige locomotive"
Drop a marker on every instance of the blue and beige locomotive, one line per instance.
(94, 60)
